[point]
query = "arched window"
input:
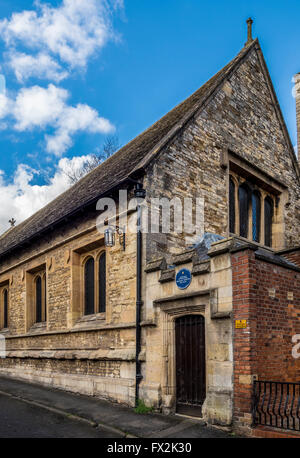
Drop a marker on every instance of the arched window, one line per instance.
(256, 211)
(244, 193)
(268, 213)
(231, 206)
(38, 299)
(102, 282)
(89, 287)
(5, 308)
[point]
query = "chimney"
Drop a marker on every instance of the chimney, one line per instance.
(297, 97)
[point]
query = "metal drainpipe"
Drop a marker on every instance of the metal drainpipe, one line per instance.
(139, 193)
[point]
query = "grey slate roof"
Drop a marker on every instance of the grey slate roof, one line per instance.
(131, 158)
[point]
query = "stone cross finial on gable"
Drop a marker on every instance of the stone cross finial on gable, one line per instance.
(12, 222)
(249, 24)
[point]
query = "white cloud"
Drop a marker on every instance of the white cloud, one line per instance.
(5, 106)
(41, 66)
(74, 119)
(2, 84)
(54, 41)
(49, 43)
(38, 107)
(71, 33)
(20, 199)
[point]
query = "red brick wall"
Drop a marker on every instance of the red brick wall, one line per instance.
(244, 351)
(278, 319)
(268, 433)
(264, 348)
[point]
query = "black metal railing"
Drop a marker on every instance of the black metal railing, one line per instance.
(276, 404)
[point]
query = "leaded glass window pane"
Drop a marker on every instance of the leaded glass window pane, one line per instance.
(256, 210)
(5, 308)
(268, 221)
(89, 287)
(231, 206)
(244, 210)
(38, 299)
(102, 283)
(45, 297)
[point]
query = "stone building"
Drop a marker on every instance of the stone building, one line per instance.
(112, 319)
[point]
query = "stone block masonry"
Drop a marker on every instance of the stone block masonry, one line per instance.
(236, 128)
(239, 117)
(86, 354)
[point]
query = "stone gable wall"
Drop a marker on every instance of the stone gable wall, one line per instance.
(240, 117)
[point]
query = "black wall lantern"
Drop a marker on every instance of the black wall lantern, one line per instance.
(110, 236)
(139, 191)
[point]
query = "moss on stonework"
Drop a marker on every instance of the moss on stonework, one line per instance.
(142, 408)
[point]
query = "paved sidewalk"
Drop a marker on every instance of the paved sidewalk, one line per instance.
(119, 420)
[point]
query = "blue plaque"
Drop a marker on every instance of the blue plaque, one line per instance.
(183, 278)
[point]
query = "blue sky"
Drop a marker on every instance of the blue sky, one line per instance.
(78, 71)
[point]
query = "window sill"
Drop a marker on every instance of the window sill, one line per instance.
(261, 245)
(90, 320)
(38, 327)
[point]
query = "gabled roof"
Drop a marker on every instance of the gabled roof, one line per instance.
(126, 162)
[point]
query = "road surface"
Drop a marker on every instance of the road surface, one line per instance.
(21, 420)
